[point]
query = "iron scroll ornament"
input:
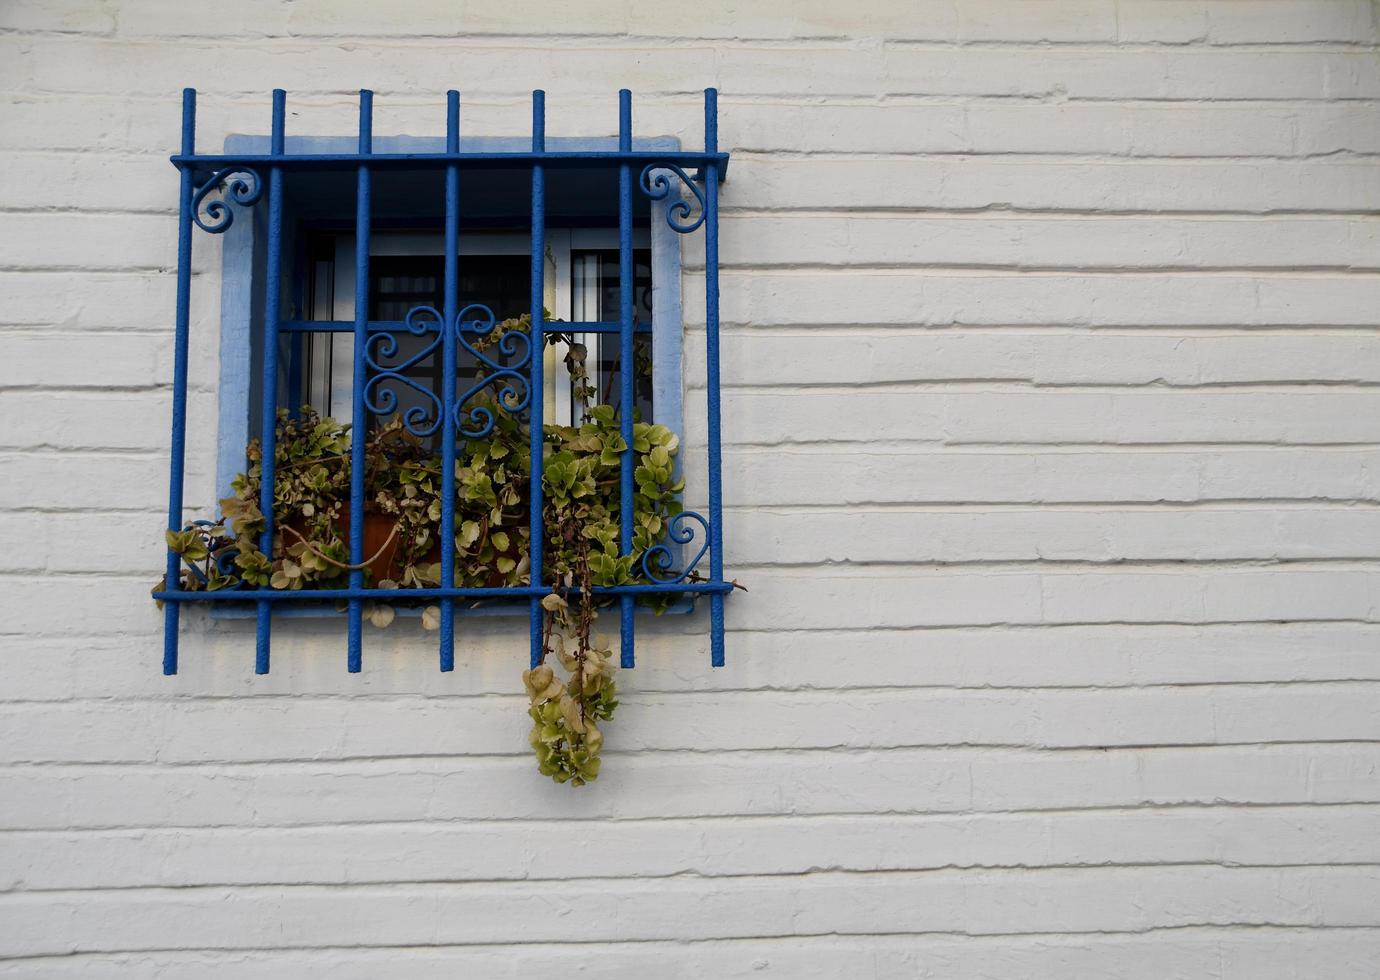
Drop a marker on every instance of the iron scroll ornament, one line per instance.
(657, 561)
(514, 393)
(658, 186)
(238, 185)
(380, 392)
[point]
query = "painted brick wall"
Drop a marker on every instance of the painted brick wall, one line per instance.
(1052, 352)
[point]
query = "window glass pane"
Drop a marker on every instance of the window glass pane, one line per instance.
(594, 296)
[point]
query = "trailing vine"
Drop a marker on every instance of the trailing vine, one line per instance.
(402, 492)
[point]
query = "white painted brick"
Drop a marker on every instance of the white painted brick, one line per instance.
(953, 297)
(98, 420)
(86, 359)
(672, 785)
(1344, 954)
(1004, 415)
(1292, 21)
(756, 358)
(833, 475)
(814, 535)
(428, 852)
(121, 242)
(671, 658)
(271, 729)
(1238, 954)
(96, 482)
(1033, 901)
(758, 241)
(1049, 183)
(74, 16)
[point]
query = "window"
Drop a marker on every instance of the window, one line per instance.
(407, 270)
(358, 261)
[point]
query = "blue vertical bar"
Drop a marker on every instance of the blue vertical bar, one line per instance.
(711, 339)
(269, 384)
(538, 400)
(626, 370)
(448, 353)
(172, 611)
(358, 424)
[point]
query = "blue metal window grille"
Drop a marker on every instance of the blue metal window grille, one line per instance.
(213, 185)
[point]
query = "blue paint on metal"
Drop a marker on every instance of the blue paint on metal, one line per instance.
(449, 328)
(556, 159)
(181, 343)
(680, 214)
(214, 185)
(378, 326)
(626, 373)
(354, 648)
(659, 562)
(515, 395)
(537, 443)
(269, 384)
(711, 341)
(512, 591)
(240, 185)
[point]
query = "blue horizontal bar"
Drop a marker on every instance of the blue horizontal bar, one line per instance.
(489, 161)
(376, 326)
(513, 592)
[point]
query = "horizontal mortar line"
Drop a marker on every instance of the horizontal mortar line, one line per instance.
(881, 211)
(86, 453)
(884, 89)
(1015, 267)
(1251, 505)
(795, 153)
(745, 212)
(523, 753)
(1255, 505)
(989, 385)
(123, 268)
(153, 387)
(1038, 689)
(897, 447)
(1011, 268)
(874, 446)
(1348, 627)
(1215, 807)
(509, 944)
(531, 824)
(1330, 505)
(1049, 331)
(368, 951)
(1229, 505)
(1043, 565)
(865, 42)
(1056, 328)
(760, 154)
(861, 212)
(687, 874)
(537, 41)
(674, 693)
(1010, 871)
(908, 629)
(966, 271)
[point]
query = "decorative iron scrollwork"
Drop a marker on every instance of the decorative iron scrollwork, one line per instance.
(658, 560)
(514, 392)
(657, 185)
(238, 185)
(381, 392)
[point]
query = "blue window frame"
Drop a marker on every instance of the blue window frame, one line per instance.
(265, 322)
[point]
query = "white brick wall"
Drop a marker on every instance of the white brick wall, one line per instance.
(1053, 466)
